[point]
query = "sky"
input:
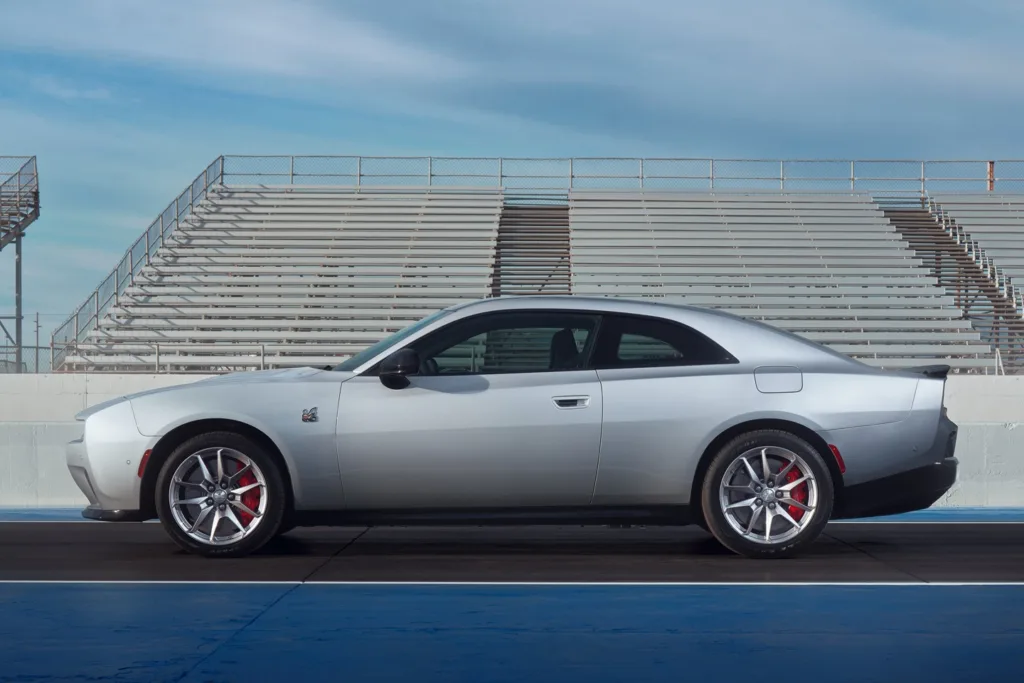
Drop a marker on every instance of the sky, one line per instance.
(124, 102)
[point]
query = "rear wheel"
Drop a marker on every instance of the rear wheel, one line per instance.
(220, 495)
(767, 493)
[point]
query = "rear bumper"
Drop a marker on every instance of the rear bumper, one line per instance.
(907, 491)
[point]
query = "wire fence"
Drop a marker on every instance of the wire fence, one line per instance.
(539, 177)
(34, 359)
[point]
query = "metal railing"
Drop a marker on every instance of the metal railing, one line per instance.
(87, 316)
(537, 176)
(19, 195)
(562, 174)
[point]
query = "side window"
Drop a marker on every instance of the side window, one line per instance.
(637, 342)
(507, 342)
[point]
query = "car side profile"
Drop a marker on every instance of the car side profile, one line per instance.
(531, 410)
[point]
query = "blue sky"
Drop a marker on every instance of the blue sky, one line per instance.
(125, 101)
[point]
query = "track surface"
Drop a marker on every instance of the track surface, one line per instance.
(860, 553)
(868, 602)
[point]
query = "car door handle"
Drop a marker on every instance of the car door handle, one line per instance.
(565, 402)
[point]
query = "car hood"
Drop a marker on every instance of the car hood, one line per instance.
(251, 377)
(287, 374)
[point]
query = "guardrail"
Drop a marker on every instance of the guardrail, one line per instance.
(87, 316)
(537, 176)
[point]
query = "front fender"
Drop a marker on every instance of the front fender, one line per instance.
(308, 447)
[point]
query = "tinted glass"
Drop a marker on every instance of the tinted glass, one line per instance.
(508, 342)
(629, 342)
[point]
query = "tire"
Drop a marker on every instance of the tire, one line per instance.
(785, 539)
(261, 489)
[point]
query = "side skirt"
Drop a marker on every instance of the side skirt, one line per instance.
(677, 515)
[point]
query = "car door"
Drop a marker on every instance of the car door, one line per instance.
(665, 388)
(503, 413)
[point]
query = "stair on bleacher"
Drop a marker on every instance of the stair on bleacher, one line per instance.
(532, 255)
(990, 311)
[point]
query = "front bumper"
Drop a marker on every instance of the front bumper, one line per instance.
(104, 462)
(101, 515)
(907, 491)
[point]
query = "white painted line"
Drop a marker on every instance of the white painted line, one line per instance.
(576, 584)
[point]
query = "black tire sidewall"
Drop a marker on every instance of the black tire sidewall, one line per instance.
(714, 516)
(273, 516)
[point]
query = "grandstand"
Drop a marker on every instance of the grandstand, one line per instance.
(252, 269)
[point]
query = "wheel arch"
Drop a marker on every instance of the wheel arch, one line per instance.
(177, 436)
(795, 428)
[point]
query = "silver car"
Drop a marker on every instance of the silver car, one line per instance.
(531, 410)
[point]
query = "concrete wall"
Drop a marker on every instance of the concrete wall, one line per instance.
(37, 419)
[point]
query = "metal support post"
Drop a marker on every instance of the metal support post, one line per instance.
(17, 303)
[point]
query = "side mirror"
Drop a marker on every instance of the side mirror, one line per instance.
(395, 368)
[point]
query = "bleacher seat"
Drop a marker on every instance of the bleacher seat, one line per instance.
(829, 267)
(286, 276)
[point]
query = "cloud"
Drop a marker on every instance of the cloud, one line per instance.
(52, 87)
(722, 76)
(300, 39)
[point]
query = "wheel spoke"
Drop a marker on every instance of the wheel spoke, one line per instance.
(750, 472)
(781, 512)
(217, 516)
(181, 482)
(748, 503)
(785, 470)
(230, 515)
(790, 485)
(245, 508)
(237, 475)
(248, 487)
(753, 519)
(765, 466)
(796, 504)
(191, 501)
(200, 518)
(207, 477)
(220, 465)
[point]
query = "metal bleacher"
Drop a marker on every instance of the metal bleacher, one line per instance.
(285, 276)
(273, 262)
(829, 267)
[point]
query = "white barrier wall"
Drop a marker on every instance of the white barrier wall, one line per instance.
(37, 420)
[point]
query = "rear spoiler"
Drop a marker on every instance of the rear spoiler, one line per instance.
(932, 371)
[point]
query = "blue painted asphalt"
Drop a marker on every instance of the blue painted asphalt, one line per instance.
(965, 514)
(480, 634)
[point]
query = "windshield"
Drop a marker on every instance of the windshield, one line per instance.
(355, 361)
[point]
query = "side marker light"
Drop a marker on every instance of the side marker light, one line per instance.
(142, 463)
(839, 459)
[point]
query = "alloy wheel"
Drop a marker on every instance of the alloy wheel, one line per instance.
(218, 496)
(768, 495)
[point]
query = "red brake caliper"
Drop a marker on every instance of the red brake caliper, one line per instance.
(250, 499)
(799, 494)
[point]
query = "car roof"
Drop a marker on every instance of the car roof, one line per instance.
(745, 337)
(589, 303)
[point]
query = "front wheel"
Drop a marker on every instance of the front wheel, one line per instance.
(767, 493)
(220, 495)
